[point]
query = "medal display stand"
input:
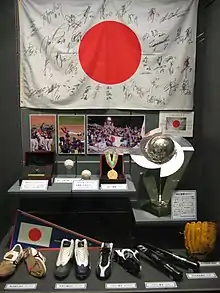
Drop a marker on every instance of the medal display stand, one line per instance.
(105, 168)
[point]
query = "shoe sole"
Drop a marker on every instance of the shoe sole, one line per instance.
(83, 276)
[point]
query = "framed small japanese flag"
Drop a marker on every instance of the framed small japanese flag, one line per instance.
(177, 123)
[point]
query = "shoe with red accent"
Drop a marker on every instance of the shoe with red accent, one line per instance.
(35, 262)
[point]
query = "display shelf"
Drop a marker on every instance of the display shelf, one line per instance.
(119, 276)
(144, 218)
(65, 190)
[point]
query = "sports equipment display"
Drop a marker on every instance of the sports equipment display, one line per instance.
(68, 164)
(82, 259)
(86, 174)
(200, 238)
(160, 263)
(64, 259)
(173, 257)
(104, 267)
(165, 159)
(129, 260)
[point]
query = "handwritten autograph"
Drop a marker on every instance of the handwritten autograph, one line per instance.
(52, 91)
(53, 13)
(177, 13)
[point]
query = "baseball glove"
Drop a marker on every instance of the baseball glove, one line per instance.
(200, 238)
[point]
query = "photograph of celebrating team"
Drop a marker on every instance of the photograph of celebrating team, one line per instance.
(122, 132)
(42, 132)
(66, 133)
(71, 134)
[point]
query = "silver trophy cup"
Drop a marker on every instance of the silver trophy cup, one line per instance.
(164, 159)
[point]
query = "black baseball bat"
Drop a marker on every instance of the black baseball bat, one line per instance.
(177, 259)
(160, 264)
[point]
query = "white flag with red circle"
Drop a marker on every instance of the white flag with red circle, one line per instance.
(33, 234)
(105, 54)
(177, 123)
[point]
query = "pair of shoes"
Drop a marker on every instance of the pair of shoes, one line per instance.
(65, 257)
(104, 267)
(129, 260)
(34, 260)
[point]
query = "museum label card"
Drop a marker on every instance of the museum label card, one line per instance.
(184, 205)
(196, 276)
(65, 180)
(160, 285)
(209, 263)
(120, 286)
(85, 185)
(70, 286)
(177, 123)
(114, 186)
(34, 185)
(27, 286)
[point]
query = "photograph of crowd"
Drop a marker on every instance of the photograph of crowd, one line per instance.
(42, 132)
(71, 134)
(122, 132)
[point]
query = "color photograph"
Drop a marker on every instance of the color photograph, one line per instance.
(42, 132)
(121, 132)
(71, 134)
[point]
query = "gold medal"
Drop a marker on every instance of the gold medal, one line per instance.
(112, 175)
(111, 159)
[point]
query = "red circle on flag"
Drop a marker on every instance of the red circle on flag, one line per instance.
(110, 52)
(176, 123)
(34, 234)
(112, 138)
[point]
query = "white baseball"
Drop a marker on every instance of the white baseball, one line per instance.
(86, 174)
(69, 164)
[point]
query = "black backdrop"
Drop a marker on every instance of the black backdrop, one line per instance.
(203, 171)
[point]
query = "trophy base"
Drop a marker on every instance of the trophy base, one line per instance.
(157, 209)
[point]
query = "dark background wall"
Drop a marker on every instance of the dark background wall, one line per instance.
(10, 131)
(202, 173)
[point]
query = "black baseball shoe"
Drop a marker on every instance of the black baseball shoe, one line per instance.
(82, 259)
(104, 267)
(64, 259)
(129, 260)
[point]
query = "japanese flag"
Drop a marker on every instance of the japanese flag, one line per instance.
(34, 234)
(116, 140)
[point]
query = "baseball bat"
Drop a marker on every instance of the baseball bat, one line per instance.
(178, 260)
(160, 264)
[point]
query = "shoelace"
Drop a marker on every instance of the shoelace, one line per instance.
(82, 253)
(65, 252)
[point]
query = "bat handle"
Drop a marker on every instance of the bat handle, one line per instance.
(190, 264)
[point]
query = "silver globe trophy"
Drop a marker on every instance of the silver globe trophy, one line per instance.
(164, 159)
